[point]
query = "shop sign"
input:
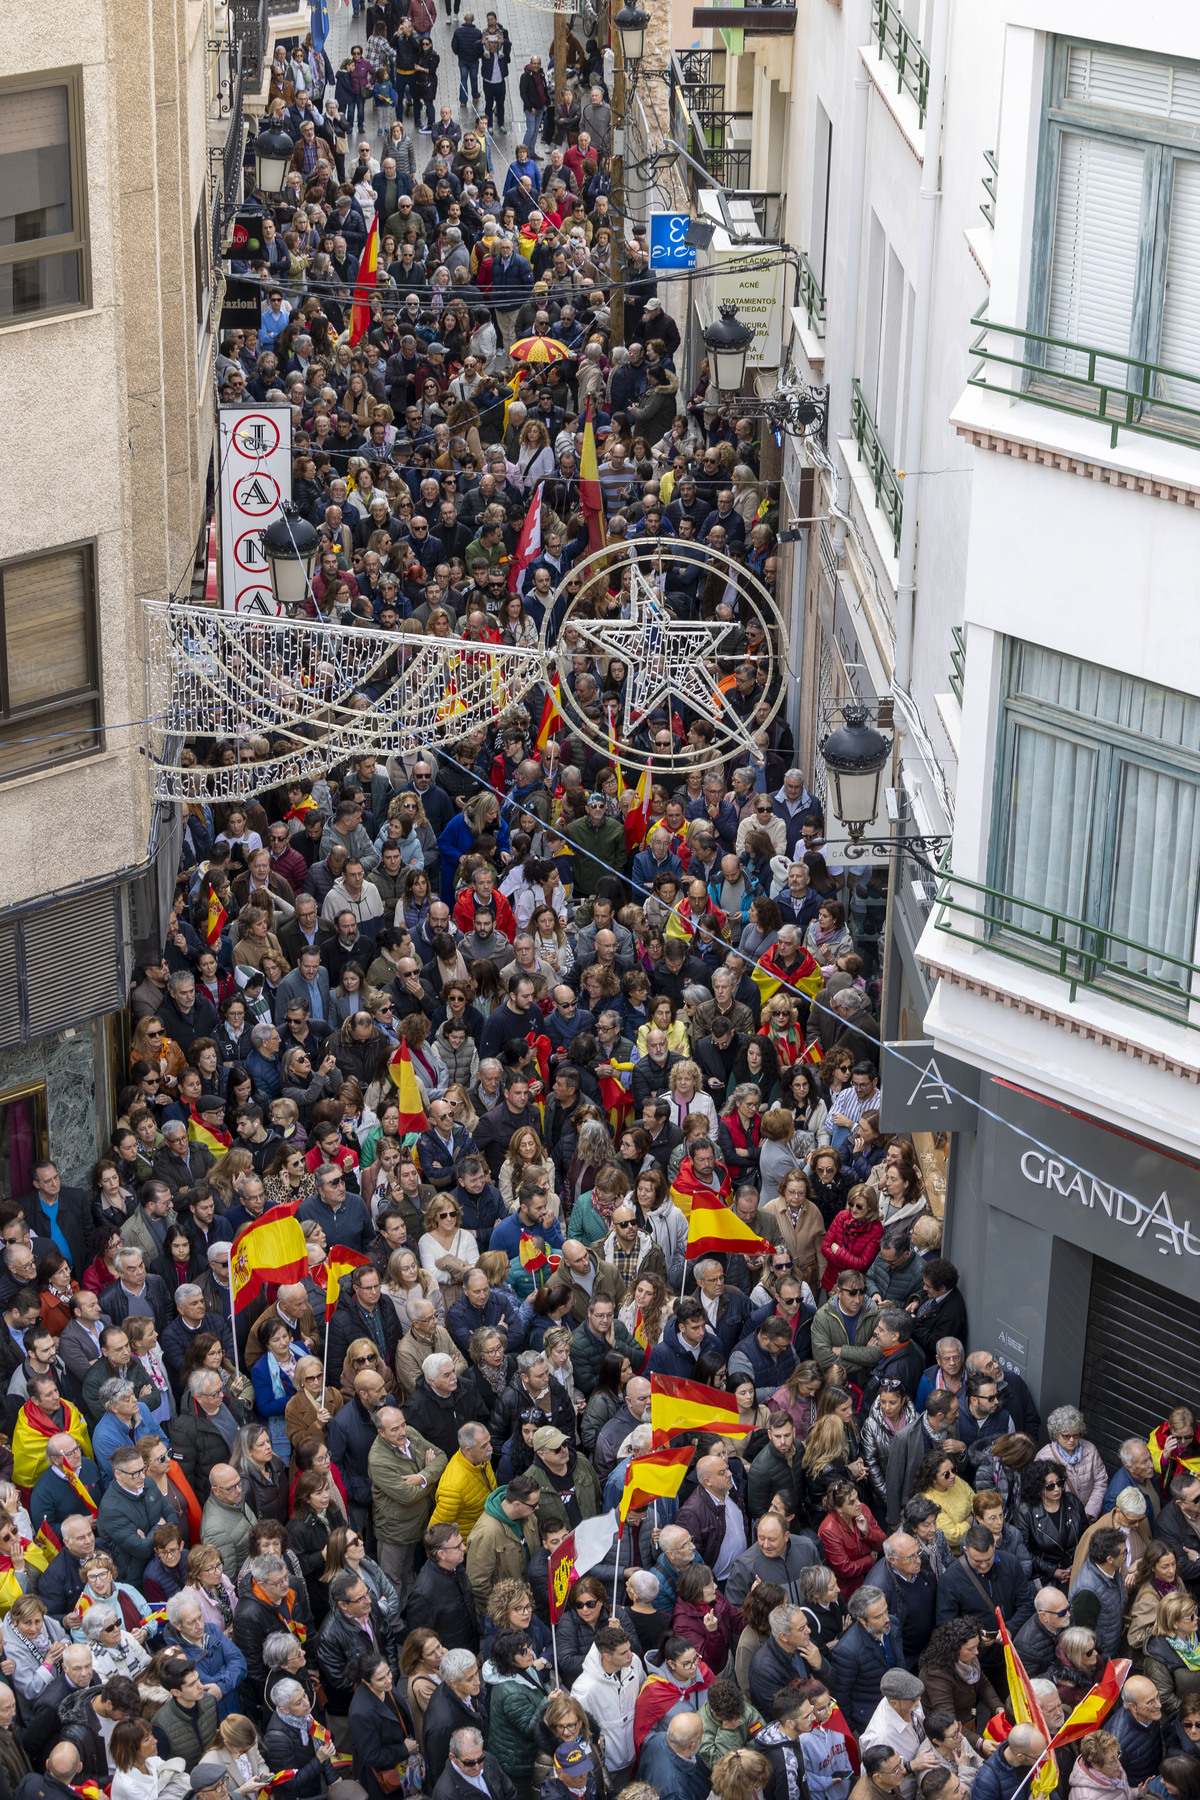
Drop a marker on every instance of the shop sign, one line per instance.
(925, 1090)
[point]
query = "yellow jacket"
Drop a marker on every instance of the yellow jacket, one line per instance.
(29, 1446)
(955, 1517)
(462, 1494)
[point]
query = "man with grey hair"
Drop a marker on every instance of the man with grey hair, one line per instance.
(473, 1770)
(909, 1589)
(424, 1339)
(1136, 1470)
(191, 1317)
(453, 1707)
(670, 1760)
(898, 1723)
(203, 1430)
(404, 1472)
(355, 1623)
(131, 1510)
(1037, 1641)
(788, 1655)
(723, 1005)
(136, 1294)
(180, 1164)
(292, 1309)
(125, 1420)
(262, 1614)
(864, 1654)
(440, 1404)
(342, 1216)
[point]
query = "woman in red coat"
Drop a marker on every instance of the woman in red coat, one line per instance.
(852, 1241)
(705, 1617)
(852, 1540)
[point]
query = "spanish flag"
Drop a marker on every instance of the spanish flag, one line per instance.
(637, 819)
(658, 1476)
(614, 751)
(338, 1263)
(217, 917)
(364, 287)
(1026, 1710)
(551, 721)
(200, 1133)
(805, 978)
(302, 806)
(713, 1226)
(268, 1252)
(1096, 1704)
(687, 1185)
(591, 494)
(408, 1094)
(677, 1405)
(640, 1335)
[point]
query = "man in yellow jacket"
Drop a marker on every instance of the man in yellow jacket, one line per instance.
(404, 1471)
(44, 1414)
(464, 1488)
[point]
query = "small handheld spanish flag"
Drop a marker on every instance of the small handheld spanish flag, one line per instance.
(216, 921)
(713, 1228)
(408, 1093)
(678, 1405)
(658, 1476)
(337, 1265)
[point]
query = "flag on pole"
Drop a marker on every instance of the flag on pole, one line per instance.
(580, 1550)
(217, 916)
(1027, 1710)
(364, 287)
(551, 721)
(614, 751)
(591, 495)
(529, 544)
(318, 23)
(270, 1251)
(338, 1263)
(532, 1254)
(679, 1405)
(713, 1229)
(657, 1476)
(640, 1335)
(408, 1093)
(1096, 1704)
(637, 819)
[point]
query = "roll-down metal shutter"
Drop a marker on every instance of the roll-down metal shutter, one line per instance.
(1141, 1357)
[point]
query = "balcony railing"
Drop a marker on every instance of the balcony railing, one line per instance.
(252, 29)
(1084, 955)
(988, 207)
(811, 297)
(958, 661)
(889, 496)
(1120, 391)
(902, 49)
(691, 68)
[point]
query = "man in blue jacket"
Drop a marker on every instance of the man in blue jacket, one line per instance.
(863, 1655)
(788, 1655)
(685, 1340)
(1008, 1770)
(656, 858)
(669, 1759)
(512, 284)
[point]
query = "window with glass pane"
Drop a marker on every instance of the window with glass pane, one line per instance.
(1116, 263)
(1097, 848)
(43, 251)
(49, 662)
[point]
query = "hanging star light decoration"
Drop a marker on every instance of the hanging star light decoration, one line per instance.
(667, 658)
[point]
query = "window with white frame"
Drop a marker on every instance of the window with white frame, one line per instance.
(1116, 263)
(1098, 812)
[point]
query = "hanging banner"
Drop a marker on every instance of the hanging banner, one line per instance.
(254, 449)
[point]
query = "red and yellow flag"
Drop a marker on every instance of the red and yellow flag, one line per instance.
(268, 1252)
(364, 287)
(200, 1133)
(639, 1331)
(637, 819)
(657, 1476)
(1096, 1704)
(678, 1405)
(805, 978)
(408, 1093)
(338, 1263)
(1027, 1710)
(532, 1253)
(713, 1226)
(591, 495)
(551, 721)
(687, 1185)
(217, 917)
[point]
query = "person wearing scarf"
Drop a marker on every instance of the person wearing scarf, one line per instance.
(274, 1378)
(44, 1415)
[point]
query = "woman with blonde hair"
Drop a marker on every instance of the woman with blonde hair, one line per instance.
(309, 1412)
(361, 1355)
(829, 1456)
(742, 1775)
(801, 1227)
(150, 1043)
(525, 1160)
(235, 1746)
(256, 939)
(685, 1093)
(445, 1249)
(564, 1721)
(406, 1280)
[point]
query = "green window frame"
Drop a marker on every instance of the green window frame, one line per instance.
(1169, 145)
(44, 272)
(1095, 841)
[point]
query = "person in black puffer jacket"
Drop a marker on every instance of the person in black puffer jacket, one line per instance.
(1052, 1538)
(287, 1745)
(586, 1610)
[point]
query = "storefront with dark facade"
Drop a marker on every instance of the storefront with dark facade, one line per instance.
(1077, 1244)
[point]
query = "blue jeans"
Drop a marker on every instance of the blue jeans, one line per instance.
(468, 71)
(357, 109)
(532, 121)
(402, 85)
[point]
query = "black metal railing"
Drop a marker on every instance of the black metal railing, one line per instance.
(692, 68)
(251, 28)
(231, 149)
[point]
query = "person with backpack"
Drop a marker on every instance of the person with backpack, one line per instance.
(467, 46)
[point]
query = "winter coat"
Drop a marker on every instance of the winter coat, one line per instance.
(575, 1638)
(1092, 1784)
(878, 1436)
(399, 1510)
(1005, 1584)
(496, 1550)
(859, 1665)
(652, 418)
(673, 1357)
(340, 1644)
(217, 1660)
(515, 1704)
(31, 1674)
(588, 1352)
(1049, 1550)
(849, 1552)
(849, 1244)
(446, 1714)
(611, 1700)
(462, 1493)
(196, 1443)
(442, 1600)
(378, 1730)
(831, 1342)
(1170, 1674)
(715, 1647)
(551, 1510)
(1088, 1478)
(945, 1688)
(285, 1748)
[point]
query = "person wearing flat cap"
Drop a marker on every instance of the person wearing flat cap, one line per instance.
(898, 1723)
(570, 1485)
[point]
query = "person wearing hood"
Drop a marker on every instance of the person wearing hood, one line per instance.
(677, 1678)
(608, 1689)
(518, 1691)
(504, 1537)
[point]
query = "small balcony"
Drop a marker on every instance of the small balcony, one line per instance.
(885, 483)
(900, 46)
(1119, 391)
(251, 27)
(1084, 956)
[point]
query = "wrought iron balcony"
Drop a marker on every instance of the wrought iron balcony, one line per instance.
(988, 207)
(902, 49)
(811, 297)
(958, 661)
(1123, 392)
(889, 494)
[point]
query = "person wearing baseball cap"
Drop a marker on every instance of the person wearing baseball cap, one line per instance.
(574, 1774)
(570, 1485)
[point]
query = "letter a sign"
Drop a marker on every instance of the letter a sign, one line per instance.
(255, 449)
(925, 1090)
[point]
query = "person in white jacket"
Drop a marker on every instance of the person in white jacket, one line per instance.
(608, 1689)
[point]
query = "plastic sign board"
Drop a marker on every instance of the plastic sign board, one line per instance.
(667, 248)
(254, 447)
